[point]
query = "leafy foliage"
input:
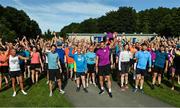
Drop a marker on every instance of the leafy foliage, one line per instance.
(16, 23)
(164, 21)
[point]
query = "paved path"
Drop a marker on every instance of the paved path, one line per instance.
(120, 99)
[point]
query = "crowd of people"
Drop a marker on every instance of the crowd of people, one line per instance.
(87, 62)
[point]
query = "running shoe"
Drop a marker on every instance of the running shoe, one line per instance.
(142, 91)
(110, 95)
(61, 91)
(14, 94)
(152, 86)
(160, 86)
(135, 90)
(78, 89)
(24, 93)
(94, 84)
(101, 92)
(85, 90)
(50, 94)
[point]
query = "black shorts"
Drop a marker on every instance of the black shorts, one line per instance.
(140, 71)
(45, 66)
(79, 74)
(14, 74)
(158, 70)
(28, 63)
(132, 61)
(91, 68)
(22, 67)
(104, 70)
(35, 66)
(124, 67)
(4, 70)
(54, 73)
(63, 67)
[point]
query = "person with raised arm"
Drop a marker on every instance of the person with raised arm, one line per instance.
(81, 68)
(15, 71)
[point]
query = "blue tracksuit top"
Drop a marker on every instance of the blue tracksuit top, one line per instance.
(143, 57)
(80, 60)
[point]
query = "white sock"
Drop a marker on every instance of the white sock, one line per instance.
(102, 88)
(110, 90)
(141, 87)
(136, 87)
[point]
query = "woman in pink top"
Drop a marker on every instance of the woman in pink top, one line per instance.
(4, 66)
(36, 65)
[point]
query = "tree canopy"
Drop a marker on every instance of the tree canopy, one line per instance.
(16, 23)
(164, 21)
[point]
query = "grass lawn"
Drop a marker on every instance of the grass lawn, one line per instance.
(165, 94)
(38, 96)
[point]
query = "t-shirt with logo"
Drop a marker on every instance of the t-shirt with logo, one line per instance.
(143, 58)
(90, 57)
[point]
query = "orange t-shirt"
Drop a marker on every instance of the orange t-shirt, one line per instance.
(132, 50)
(69, 60)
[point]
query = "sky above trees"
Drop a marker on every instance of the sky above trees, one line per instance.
(55, 14)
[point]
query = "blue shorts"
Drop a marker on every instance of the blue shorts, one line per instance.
(79, 74)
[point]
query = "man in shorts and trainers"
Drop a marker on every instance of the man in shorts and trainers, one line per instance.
(61, 54)
(143, 58)
(160, 65)
(103, 67)
(81, 68)
(54, 70)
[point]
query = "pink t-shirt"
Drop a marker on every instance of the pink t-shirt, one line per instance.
(35, 59)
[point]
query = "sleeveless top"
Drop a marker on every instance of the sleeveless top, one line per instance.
(14, 63)
(35, 58)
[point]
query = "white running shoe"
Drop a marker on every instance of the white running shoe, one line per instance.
(14, 94)
(61, 91)
(94, 84)
(50, 94)
(24, 93)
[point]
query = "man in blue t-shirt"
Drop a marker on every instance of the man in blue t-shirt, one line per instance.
(54, 69)
(160, 65)
(143, 58)
(61, 55)
(81, 68)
